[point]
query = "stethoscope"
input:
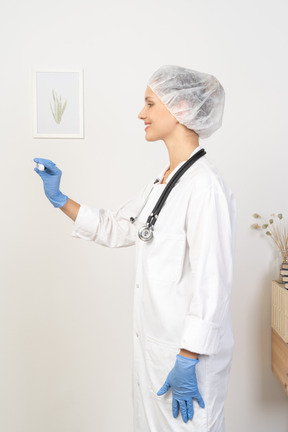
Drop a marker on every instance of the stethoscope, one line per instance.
(145, 233)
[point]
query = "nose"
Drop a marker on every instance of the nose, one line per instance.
(142, 114)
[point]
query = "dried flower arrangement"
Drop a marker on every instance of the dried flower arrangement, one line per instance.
(276, 229)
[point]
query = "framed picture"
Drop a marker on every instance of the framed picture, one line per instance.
(58, 103)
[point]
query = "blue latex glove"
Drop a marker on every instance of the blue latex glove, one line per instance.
(183, 382)
(51, 177)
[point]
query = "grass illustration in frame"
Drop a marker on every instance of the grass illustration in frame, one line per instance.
(58, 103)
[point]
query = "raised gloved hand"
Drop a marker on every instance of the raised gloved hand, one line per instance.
(51, 177)
(183, 382)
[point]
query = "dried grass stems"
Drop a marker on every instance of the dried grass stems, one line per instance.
(58, 107)
(276, 229)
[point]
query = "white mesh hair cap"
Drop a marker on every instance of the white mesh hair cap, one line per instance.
(195, 99)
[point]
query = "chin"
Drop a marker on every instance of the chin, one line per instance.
(151, 138)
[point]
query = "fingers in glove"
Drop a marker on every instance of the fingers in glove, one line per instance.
(164, 388)
(45, 174)
(39, 172)
(45, 162)
(175, 407)
(183, 409)
(190, 409)
(50, 167)
(200, 400)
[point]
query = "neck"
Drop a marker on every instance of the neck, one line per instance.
(180, 147)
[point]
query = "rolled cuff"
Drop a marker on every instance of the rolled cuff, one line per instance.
(86, 223)
(199, 336)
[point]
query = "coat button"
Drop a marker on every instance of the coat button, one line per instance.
(137, 285)
(137, 334)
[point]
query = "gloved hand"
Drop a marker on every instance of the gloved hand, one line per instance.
(183, 382)
(51, 180)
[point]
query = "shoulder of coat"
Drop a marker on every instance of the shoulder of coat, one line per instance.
(203, 176)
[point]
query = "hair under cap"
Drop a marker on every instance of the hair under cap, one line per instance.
(195, 99)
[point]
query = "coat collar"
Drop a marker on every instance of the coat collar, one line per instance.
(161, 174)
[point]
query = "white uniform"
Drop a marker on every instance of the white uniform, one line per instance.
(182, 290)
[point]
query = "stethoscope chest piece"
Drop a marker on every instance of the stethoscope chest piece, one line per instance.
(145, 233)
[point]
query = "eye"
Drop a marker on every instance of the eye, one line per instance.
(150, 104)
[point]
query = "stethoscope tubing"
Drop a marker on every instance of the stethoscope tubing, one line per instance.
(145, 233)
(160, 203)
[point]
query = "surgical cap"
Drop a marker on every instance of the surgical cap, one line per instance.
(195, 99)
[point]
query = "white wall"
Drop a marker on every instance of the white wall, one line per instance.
(66, 304)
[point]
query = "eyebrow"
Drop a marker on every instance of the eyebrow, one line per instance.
(148, 97)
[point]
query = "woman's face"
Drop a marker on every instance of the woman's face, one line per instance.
(159, 119)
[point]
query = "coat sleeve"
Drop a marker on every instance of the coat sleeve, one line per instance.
(111, 228)
(210, 228)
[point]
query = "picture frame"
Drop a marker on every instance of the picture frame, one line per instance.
(58, 103)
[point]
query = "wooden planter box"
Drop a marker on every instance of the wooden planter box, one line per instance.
(280, 360)
(279, 318)
(279, 323)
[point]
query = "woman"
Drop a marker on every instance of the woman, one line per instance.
(184, 272)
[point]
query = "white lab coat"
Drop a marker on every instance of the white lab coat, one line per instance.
(182, 290)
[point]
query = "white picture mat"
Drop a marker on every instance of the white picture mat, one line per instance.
(68, 85)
